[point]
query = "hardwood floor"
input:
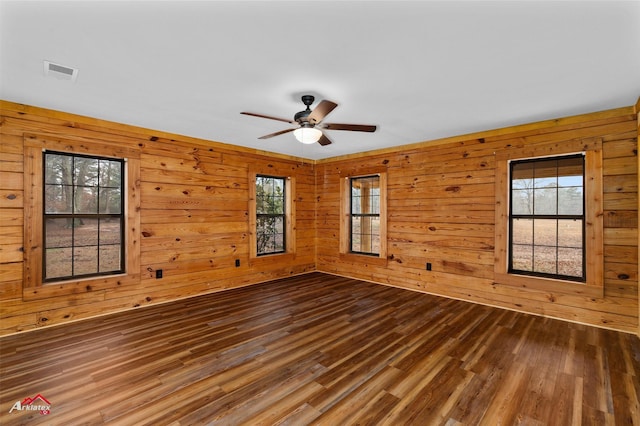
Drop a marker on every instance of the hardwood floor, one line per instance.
(319, 349)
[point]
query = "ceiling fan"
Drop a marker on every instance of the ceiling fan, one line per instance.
(310, 123)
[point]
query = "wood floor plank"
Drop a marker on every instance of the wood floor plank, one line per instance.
(326, 350)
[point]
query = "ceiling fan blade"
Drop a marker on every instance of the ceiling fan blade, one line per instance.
(321, 111)
(324, 140)
(352, 127)
(281, 132)
(268, 117)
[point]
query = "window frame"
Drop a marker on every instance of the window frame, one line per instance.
(34, 147)
(593, 286)
(345, 252)
(289, 254)
(80, 216)
(539, 216)
(352, 214)
(282, 215)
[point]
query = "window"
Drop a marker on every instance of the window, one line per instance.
(549, 229)
(364, 215)
(270, 215)
(83, 216)
(546, 217)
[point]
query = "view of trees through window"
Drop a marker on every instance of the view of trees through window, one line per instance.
(83, 216)
(547, 217)
(270, 215)
(365, 215)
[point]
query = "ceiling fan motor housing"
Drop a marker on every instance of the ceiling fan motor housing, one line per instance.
(301, 117)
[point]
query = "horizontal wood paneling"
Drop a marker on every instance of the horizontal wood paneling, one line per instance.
(441, 210)
(636, 111)
(193, 218)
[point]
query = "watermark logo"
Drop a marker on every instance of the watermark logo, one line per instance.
(37, 403)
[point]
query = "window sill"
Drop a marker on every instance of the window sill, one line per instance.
(548, 285)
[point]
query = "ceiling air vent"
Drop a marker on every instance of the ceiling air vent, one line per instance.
(61, 72)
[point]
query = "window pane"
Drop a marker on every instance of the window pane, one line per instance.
(365, 195)
(261, 204)
(85, 260)
(522, 256)
(570, 233)
(365, 234)
(58, 199)
(545, 201)
(85, 171)
(59, 169)
(270, 195)
(570, 262)
(570, 200)
(86, 200)
(545, 232)
(58, 233)
(85, 232)
(545, 173)
(570, 171)
(356, 234)
(522, 176)
(278, 235)
(110, 174)
(544, 259)
(375, 235)
(522, 230)
(522, 201)
(110, 258)
(110, 201)
(275, 204)
(264, 233)
(110, 231)
(59, 262)
(278, 186)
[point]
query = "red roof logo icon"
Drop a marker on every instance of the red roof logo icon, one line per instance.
(30, 401)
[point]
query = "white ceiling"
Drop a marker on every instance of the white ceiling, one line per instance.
(420, 70)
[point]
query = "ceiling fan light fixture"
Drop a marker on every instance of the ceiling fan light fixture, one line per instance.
(307, 135)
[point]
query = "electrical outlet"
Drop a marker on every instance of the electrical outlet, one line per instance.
(237, 263)
(158, 274)
(428, 266)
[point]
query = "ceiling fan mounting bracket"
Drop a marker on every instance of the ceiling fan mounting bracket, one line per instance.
(307, 100)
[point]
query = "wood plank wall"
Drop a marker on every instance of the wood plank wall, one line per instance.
(637, 112)
(441, 209)
(194, 218)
